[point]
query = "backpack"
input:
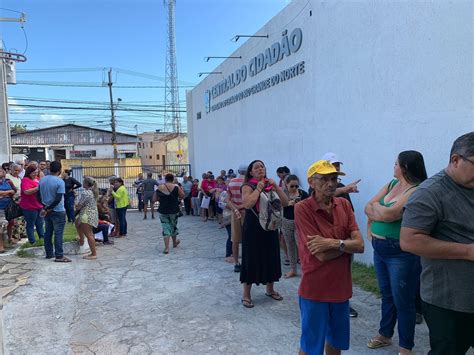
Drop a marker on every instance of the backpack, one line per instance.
(270, 213)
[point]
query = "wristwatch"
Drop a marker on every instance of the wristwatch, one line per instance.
(342, 245)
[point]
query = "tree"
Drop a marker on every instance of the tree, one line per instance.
(17, 128)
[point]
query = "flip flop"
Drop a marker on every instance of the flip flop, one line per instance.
(166, 251)
(247, 303)
(89, 257)
(375, 343)
(177, 243)
(275, 295)
(62, 260)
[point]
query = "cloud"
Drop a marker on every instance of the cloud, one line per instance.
(52, 118)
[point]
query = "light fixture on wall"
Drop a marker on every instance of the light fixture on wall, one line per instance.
(206, 59)
(237, 37)
(209, 73)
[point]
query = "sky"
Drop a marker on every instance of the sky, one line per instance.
(72, 42)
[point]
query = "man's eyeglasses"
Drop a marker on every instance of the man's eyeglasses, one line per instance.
(293, 186)
(466, 159)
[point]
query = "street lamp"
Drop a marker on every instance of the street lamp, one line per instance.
(208, 73)
(237, 37)
(206, 59)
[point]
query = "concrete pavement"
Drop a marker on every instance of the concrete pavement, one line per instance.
(136, 300)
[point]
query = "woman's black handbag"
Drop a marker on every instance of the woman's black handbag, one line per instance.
(13, 211)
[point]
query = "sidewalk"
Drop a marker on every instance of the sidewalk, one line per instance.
(136, 300)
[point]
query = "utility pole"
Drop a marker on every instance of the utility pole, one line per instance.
(112, 121)
(5, 136)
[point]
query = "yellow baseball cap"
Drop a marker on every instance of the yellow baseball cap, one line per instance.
(323, 167)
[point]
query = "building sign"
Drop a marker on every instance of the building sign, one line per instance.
(288, 45)
(20, 150)
(74, 154)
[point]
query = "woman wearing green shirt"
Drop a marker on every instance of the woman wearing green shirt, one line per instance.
(397, 271)
(120, 194)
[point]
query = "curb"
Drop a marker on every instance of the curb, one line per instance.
(69, 248)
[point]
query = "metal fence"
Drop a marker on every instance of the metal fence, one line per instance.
(129, 174)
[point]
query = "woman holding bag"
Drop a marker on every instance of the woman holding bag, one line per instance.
(260, 248)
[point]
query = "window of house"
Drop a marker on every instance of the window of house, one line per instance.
(157, 157)
(198, 115)
(151, 157)
(151, 144)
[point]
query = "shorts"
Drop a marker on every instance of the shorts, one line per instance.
(323, 322)
(148, 197)
(236, 227)
(169, 224)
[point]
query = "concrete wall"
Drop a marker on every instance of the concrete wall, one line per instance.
(380, 78)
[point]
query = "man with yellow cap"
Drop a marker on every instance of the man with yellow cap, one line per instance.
(328, 235)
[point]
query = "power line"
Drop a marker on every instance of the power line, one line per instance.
(91, 85)
(88, 108)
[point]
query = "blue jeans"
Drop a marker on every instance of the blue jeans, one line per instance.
(69, 205)
(33, 219)
(122, 219)
(398, 274)
(54, 222)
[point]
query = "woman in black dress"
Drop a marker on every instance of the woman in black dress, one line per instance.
(260, 248)
(169, 194)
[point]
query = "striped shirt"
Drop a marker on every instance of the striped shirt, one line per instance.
(235, 194)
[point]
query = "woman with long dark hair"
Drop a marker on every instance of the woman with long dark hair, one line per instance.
(260, 248)
(397, 271)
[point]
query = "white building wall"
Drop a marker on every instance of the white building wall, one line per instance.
(380, 78)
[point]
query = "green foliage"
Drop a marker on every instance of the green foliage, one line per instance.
(17, 128)
(364, 276)
(69, 235)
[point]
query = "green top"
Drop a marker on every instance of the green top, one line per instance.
(121, 197)
(387, 229)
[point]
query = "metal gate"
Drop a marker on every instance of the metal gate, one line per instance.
(129, 174)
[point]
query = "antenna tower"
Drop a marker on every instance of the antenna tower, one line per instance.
(172, 114)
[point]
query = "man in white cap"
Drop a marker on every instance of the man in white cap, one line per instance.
(235, 203)
(343, 191)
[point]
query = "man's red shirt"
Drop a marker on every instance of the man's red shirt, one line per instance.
(324, 281)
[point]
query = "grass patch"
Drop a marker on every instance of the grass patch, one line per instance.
(364, 277)
(69, 235)
(22, 253)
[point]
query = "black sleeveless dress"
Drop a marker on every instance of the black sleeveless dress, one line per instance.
(260, 251)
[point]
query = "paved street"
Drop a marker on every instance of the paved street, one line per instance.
(136, 300)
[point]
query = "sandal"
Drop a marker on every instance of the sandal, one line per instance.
(90, 257)
(62, 260)
(247, 303)
(177, 243)
(375, 343)
(166, 251)
(275, 295)
(290, 274)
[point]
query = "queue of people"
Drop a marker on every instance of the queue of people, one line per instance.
(420, 230)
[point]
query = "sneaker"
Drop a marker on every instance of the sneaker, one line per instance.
(109, 242)
(144, 217)
(352, 312)
(419, 318)
(83, 249)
